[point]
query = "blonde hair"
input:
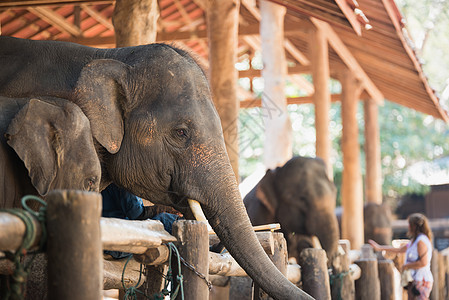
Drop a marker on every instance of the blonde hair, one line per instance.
(419, 224)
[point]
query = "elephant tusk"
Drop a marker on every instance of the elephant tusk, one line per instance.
(197, 211)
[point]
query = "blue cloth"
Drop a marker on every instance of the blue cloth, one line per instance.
(119, 203)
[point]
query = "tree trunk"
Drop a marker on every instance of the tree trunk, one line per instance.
(135, 22)
(222, 27)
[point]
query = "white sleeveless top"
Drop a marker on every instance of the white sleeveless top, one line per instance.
(411, 255)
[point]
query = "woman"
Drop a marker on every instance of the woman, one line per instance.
(418, 253)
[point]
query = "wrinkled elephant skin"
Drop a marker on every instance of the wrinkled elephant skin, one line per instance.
(157, 130)
(300, 197)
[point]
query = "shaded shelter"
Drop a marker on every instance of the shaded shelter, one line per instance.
(361, 43)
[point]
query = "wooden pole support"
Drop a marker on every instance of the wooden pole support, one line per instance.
(342, 283)
(314, 273)
(193, 246)
(367, 287)
(386, 278)
(75, 265)
(279, 259)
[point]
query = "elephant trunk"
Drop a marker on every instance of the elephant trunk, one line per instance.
(229, 219)
(324, 225)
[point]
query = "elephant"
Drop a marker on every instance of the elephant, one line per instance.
(156, 129)
(377, 220)
(46, 144)
(299, 196)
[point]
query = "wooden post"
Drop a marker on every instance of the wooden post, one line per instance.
(322, 98)
(222, 28)
(351, 190)
(315, 279)
(75, 260)
(373, 177)
(279, 259)
(278, 128)
(386, 278)
(193, 246)
(342, 284)
(135, 22)
(367, 287)
(435, 293)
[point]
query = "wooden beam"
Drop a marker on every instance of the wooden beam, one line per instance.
(257, 102)
(97, 16)
(55, 19)
(298, 55)
(33, 3)
(350, 61)
(291, 70)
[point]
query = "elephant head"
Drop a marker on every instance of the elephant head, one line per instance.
(163, 141)
(53, 139)
(377, 223)
(299, 196)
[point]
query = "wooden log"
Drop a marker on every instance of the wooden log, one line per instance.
(314, 273)
(112, 273)
(13, 231)
(225, 265)
(265, 238)
(435, 293)
(441, 277)
(74, 245)
(342, 283)
(193, 246)
(279, 259)
(386, 279)
(367, 287)
(133, 236)
(154, 256)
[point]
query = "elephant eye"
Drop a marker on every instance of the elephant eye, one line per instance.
(181, 132)
(90, 183)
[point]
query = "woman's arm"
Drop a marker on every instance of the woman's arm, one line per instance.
(423, 257)
(387, 248)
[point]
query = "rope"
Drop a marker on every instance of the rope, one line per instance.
(333, 278)
(131, 292)
(16, 282)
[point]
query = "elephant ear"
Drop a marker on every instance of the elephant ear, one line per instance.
(266, 193)
(101, 92)
(36, 135)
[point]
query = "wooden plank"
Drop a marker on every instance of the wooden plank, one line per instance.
(298, 69)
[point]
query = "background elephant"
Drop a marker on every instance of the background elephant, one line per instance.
(45, 144)
(300, 197)
(377, 220)
(156, 129)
